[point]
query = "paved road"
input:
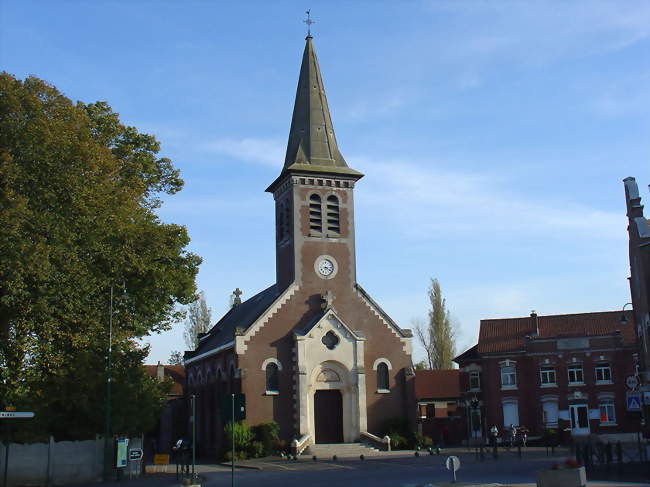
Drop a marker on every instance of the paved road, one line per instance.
(385, 471)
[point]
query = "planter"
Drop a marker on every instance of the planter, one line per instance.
(565, 477)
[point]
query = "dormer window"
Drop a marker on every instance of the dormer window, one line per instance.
(315, 214)
(333, 225)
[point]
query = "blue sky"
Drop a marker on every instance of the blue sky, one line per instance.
(494, 135)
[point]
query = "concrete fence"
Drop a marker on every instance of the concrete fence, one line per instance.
(60, 463)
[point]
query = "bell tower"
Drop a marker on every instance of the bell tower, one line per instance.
(313, 194)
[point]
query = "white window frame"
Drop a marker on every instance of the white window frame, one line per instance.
(550, 370)
(475, 376)
(607, 405)
(575, 368)
(509, 377)
(605, 369)
(545, 421)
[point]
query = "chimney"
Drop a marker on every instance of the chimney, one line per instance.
(533, 316)
(160, 371)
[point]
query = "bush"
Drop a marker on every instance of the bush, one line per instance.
(243, 437)
(256, 449)
(398, 431)
(422, 441)
(267, 435)
(397, 441)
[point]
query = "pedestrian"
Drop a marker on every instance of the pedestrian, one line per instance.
(494, 433)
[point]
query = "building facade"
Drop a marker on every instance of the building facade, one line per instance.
(561, 372)
(440, 415)
(639, 251)
(312, 352)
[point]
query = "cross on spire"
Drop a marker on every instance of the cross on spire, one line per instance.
(308, 21)
(236, 300)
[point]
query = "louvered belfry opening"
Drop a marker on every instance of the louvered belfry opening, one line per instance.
(333, 224)
(315, 214)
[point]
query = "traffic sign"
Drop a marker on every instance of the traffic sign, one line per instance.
(633, 400)
(632, 382)
(135, 454)
(453, 463)
(15, 414)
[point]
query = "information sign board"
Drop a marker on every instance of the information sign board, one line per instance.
(122, 445)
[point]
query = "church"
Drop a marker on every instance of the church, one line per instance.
(313, 351)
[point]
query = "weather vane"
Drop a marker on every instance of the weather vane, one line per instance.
(308, 21)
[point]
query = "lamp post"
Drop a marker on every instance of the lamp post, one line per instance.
(624, 320)
(109, 367)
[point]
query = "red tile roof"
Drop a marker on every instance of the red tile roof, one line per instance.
(509, 334)
(175, 372)
(437, 384)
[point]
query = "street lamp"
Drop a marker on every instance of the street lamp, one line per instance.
(624, 320)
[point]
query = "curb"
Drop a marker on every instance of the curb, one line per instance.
(249, 467)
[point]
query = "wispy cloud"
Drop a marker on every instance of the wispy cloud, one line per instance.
(424, 199)
(265, 151)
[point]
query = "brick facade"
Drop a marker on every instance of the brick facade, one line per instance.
(541, 370)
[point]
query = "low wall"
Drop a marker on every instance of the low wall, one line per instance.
(60, 463)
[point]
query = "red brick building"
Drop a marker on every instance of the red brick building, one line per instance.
(439, 413)
(563, 371)
(312, 352)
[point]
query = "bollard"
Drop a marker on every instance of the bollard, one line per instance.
(362, 457)
(519, 451)
(495, 453)
(619, 452)
(314, 458)
(334, 458)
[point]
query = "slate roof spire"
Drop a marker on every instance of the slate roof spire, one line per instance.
(312, 145)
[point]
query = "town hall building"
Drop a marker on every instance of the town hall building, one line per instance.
(313, 351)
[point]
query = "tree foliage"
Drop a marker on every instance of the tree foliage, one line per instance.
(197, 321)
(176, 358)
(437, 337)
(78, 193)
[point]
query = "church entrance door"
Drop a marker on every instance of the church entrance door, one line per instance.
(328, 416)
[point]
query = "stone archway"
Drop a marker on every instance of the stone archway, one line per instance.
(332, 404)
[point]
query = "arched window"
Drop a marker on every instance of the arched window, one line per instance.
(315, 214)
(333, 224)
(382, 377)
(271, 377)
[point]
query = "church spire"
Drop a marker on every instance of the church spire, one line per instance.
(312, 144)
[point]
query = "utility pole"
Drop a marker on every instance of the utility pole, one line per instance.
(193, 437)
(232, 430)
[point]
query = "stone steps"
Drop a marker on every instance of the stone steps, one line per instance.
(341, 450)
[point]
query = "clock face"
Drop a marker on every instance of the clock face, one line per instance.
(325, 267)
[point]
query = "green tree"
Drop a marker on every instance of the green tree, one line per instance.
(438, 336)
(176, 358)
(197, 321)
(78, 193)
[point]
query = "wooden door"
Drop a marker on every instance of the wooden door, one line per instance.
(328, 416)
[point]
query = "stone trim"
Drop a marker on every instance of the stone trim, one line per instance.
(382, 360)
(241, 340)
(384, 318)
(272, 360)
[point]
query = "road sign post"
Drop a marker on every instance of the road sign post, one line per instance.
(453, 464)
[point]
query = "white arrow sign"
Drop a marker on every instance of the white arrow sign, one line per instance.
(15, 414)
